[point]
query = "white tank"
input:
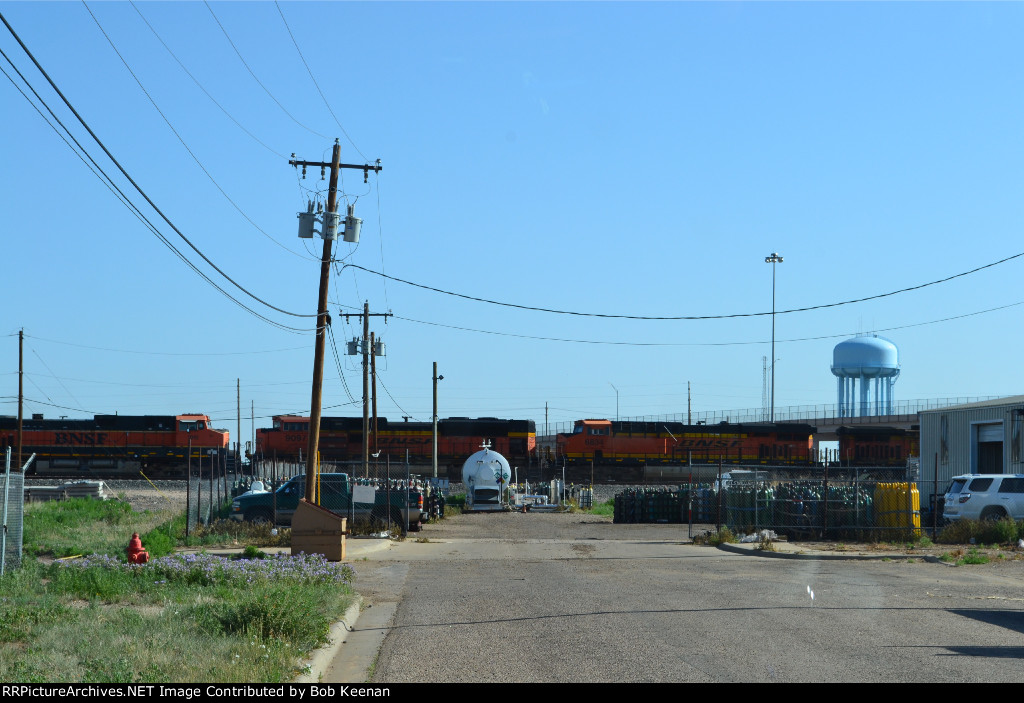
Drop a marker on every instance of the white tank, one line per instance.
(484, 474)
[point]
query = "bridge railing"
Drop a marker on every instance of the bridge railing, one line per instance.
(792, 413)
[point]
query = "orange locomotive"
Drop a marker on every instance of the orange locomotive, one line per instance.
(341, 438)
(116, 445)
(877, 446)
(633, 443)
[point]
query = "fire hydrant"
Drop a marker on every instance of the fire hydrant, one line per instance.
(136, 554)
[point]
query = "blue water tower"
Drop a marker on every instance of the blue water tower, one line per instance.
(866, 369)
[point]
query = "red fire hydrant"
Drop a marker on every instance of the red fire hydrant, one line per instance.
(136, 554)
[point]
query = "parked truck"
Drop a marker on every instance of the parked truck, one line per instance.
(374, 503)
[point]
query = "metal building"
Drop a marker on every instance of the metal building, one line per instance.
(975, 438)
(866, 368)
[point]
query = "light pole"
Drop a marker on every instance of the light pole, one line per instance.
(616, 400)
(436, 379)
(773, 259)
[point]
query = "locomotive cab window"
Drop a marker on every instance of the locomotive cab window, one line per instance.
(190, 426)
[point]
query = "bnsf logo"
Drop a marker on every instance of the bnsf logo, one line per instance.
(99, 438)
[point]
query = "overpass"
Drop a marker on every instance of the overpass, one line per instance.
(827, 417)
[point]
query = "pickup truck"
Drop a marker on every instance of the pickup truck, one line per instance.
(336, 496)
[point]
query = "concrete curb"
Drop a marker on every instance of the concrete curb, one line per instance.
(318, 660)
(788, 553)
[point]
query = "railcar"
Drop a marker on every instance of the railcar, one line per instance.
(634, 443)
(877, 446)
(110, 446)
(341, 438)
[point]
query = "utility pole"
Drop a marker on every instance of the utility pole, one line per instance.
(322, 319)
(366, 390)
(689, 415)
(373, 386)
(366, 346)
(21, 388)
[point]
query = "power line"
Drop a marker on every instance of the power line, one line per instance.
(178, 135)
(308, 70)
(108, 182)
(147, 198)
(160, 353)
(703, 344)
(251, 73)
(684, 317)
(201, 87)
(404, 411)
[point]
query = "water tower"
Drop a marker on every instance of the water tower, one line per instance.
(859, 364)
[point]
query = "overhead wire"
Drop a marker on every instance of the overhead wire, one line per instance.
(253, 74)
(310, 71)
(106, 179)
(704, 344)
(203, 88)
(337, 362)
(404, 411)
(182, 140)
(43, 362)
(687, 317)
(161, 353)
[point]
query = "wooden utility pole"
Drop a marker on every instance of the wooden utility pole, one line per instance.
(366, 388)
(367, 347)
(373, 385)
(322, 319)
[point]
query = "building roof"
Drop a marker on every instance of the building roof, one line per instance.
(994, 403)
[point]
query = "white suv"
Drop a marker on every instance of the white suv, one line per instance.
(985, 497)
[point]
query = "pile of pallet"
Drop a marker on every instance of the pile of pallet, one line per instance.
(79, 489)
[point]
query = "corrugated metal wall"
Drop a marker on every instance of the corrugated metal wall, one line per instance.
(949, 440)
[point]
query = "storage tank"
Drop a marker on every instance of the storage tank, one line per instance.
(866, 369)
(485, 474)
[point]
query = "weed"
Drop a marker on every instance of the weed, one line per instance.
(716, 538)
(974, 557)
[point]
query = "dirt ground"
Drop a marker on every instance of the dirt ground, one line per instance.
(584, 526)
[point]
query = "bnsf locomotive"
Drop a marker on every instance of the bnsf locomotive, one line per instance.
(633, 443)
(116, 445)
(877, 446)
(626, 443)
(341, 438)
(637, 443)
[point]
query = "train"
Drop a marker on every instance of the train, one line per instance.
(157, 446)
(877, 446)
(341, 439)
(116, 446)
(629, 443)
(644, 443)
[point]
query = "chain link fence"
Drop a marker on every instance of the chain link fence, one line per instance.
(12, 495)
(864, 506)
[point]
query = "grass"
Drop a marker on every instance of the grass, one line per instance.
(1004, 531)
(179, 618)
(959, 557)
(724, 535)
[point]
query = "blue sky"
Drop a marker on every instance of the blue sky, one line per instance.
(615, 158)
